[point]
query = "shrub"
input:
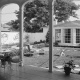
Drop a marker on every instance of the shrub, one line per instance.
(47, 37)
(56, 43)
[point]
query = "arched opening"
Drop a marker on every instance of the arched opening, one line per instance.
(9, 37)
(35, 52)
(8, 12)
(34, 49)
(7, 16)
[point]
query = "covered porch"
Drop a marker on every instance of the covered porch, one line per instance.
(33, 73)
(21, 4)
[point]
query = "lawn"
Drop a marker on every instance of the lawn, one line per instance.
(43, 60)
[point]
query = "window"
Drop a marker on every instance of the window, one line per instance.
(77, 35)
(58, 35)
(67, 36)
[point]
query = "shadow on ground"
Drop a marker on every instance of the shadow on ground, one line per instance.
(2, 77)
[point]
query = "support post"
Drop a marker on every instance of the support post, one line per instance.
(21, 36)
(74, 36)
(51, 2)
(0, 30)
(62, 35)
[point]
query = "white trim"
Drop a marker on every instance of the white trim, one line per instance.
(0, 30)
(74, 36)
(65, 27)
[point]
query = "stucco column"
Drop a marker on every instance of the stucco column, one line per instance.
(0, 30)
(21, 35)
(71, 36)
(51, 11)
(62, 31)
(74, 36)
(54, 35)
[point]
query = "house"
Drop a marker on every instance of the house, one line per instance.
(5, 28)
(67, 33)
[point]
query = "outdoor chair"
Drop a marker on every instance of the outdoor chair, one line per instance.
(9, 60)
(4, 59)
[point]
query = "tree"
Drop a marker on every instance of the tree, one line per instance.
(63, 9)
(36, 14)
(14, 25)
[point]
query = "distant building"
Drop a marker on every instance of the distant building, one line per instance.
(5, 28)
(67, 33)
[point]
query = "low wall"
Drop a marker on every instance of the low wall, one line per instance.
(13, 37)
(37, 36)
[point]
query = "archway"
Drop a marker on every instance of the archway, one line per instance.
(7, 16)
(21, 3)
(36, 58)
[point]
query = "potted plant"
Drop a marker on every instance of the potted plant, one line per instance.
(68, 66)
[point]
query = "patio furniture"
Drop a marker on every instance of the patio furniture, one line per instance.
(28, 54)
(15, 59)
(5, 57)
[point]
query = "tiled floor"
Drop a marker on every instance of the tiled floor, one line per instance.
(33, 73)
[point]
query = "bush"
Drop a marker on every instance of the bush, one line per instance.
(56, 43)
(35, 42)
(41, 41)
(46, 44)
(15, 52)
(47, 37)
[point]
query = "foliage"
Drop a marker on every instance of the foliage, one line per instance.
(14, 25)
(36, 14)
(64, 9)
(27, 38)
(47, 37)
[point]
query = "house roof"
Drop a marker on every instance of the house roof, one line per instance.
(5, 28)
(69, 24)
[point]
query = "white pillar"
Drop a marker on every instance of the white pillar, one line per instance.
(74, 36)
(51, 2)
(62, 36)
(54, 35)
(0, 29)
(21, 35)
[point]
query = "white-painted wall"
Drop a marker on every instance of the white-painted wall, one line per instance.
(32, 36)
(37, 36)
(9, 37)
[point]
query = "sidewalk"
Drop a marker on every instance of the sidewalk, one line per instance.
(33, 73)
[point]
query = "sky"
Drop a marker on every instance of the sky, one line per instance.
(8, 12)
(77, 12)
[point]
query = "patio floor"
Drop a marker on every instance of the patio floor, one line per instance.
(33, 73)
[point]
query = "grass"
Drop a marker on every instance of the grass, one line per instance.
(43, 60)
